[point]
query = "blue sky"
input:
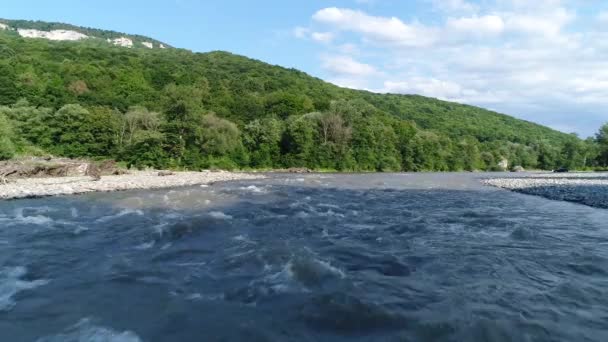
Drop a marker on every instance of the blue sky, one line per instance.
(543, 60)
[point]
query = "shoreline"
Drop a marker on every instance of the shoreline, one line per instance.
(20, 188)
(590, 189)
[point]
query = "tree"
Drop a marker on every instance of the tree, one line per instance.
(601, 139)
(78, 132)
(298, 142)
(219, 137)
(262, 138)
(7, 148)
(183, 115)
(148, 150)
(9, 92)
(283, 104)
(136, 121)
(467, 156)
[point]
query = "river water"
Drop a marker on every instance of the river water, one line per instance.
(379, 257)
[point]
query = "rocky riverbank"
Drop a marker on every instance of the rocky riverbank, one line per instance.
(53, 186)
(585, 188)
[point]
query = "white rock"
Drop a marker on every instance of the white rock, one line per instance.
(52, 35)
(504, 164)
(3, 26)
(122, 41)
(148, 45)
(162, 46)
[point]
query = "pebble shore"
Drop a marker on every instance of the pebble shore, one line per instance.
(43, 187)
(585, 188)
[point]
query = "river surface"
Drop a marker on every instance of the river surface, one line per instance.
(379, 257)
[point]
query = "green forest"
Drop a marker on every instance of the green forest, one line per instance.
(175, 109)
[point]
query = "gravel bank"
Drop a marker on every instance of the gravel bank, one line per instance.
(42, 187)
(585, 188)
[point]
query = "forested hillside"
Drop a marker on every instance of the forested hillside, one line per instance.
(96, 35)
(176, 108)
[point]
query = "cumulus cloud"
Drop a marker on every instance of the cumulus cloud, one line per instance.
(541, 60)
(340, 65)
(377, 29)
(491, 25)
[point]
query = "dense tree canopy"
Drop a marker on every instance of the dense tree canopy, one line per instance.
(175, 108)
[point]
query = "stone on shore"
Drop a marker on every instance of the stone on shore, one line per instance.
(585, 188)
(41, 187)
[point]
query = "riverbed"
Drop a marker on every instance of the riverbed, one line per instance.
(314, 257)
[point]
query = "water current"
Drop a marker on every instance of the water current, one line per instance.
(372, 257)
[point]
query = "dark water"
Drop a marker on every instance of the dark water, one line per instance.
(305, 258)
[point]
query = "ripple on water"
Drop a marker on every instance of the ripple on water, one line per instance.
(220, 215)
(120, 214)
(86, 331)
(343, 312)
(11, 283)
(302, 262)
(300, 274)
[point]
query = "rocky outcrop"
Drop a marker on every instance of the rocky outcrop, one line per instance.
(3, 26)
(518, 168)
(52, 35)
(122, 41)
(148, 45)
(54, 167)
(503, 164)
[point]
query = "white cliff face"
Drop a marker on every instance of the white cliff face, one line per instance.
(74, 36)
(52, 35)
(122, 41)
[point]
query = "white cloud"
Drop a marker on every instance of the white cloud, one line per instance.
(323, 37)
(428, 87)
(339, 65)
(301, 32)
(543, 60)
(548, 23)
(478, 26)
(376, 29)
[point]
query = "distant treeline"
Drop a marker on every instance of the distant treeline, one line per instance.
(349, 136)
(177, 109)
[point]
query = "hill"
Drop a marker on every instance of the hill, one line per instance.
(176, 108)
(67, 32)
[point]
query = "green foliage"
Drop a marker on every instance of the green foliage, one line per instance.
(219, 137)
(262, 139)
(601, 139)
(177, 109)
(76, 131)
(7, 148)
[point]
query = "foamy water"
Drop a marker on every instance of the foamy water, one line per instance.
(399, 257)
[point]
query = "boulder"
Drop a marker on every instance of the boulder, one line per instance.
(504, 164)
(518, 168)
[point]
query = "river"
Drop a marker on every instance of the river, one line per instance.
(315, 257)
